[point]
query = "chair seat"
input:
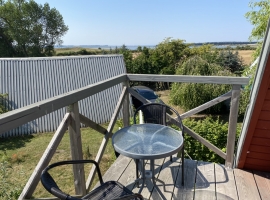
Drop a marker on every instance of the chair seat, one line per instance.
(108, 191)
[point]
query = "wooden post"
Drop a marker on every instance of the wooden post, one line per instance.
(126, 114)
(232, 126)
(76, 148)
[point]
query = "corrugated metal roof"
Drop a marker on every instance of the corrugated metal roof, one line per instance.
(29, 80)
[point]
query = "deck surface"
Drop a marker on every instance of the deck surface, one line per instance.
(203, 180)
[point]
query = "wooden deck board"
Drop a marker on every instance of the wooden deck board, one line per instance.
(168, 174)
(203, 180)
(186, 192)
(246, 185)
(263, 183)
(225, 183)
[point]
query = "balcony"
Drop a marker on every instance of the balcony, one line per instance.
(203, 180)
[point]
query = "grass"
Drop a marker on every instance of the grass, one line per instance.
(23, 154)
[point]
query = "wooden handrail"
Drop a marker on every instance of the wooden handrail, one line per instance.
(189, 79)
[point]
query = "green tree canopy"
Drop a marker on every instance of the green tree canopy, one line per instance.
(191, 95)
(258, 17)
(29, 29)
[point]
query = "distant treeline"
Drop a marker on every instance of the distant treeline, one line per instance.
(224, 43)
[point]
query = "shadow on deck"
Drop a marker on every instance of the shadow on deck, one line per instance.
(203, 180)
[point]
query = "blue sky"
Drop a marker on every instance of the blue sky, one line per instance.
(149, 22)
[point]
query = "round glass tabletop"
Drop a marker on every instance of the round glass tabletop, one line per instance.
(147, 141)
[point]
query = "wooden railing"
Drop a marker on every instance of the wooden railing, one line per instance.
(73, 119)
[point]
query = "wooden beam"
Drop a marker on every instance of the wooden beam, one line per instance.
(232, 126)
(189, 79)
(91, 124)
(206, 105)
(76, 148)
(45, 159)
(15, 118)
(106, 138)
(126, 113)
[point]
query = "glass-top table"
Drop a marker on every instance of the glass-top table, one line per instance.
(147, 142)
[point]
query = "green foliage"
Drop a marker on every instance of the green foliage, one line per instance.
(3, 102)
(29, 29)
(245, 94)
(80, 52)
(258, 17)
(245, 47)
(160, 60)
(167, 54)
(191, 95)
(7, 189)
(231, 61)
(215, 131)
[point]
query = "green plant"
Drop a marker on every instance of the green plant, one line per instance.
(8, 190)
(29, 29)
(258, 17)
(191, 95)
(3, 103)
(245, 94)
(213, 130)
(230, 60)
(86, 153)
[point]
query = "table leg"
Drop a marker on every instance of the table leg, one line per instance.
(143, 176)
(152, 168)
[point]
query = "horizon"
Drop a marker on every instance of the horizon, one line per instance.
(223, 43)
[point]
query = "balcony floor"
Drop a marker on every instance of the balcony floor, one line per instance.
(203, 180)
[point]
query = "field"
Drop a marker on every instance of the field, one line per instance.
(246, 55)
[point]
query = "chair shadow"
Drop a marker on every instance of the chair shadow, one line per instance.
(189, 188)
(201, 182)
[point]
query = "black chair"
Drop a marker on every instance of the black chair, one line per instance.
(106, 191)
(157, 113)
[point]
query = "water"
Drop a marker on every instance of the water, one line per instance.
(131, 47)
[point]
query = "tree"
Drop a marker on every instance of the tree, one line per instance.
(29, 29)
(191, 95)
(167, 54)
(258, 17)
(231, 61)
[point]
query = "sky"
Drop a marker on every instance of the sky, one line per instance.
(149, 22)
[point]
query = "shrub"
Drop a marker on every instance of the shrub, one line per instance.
(3, 103)
(215, 131)
(7, 189)
(231, 61)
(245, 94)
(191, 95)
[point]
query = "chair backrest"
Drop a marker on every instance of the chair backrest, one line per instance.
(157, 113)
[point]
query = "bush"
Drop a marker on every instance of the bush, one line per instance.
(7, 189)
(231, 61)
(191, 95)
(3, 103)
(245, 94)
(215, 131)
